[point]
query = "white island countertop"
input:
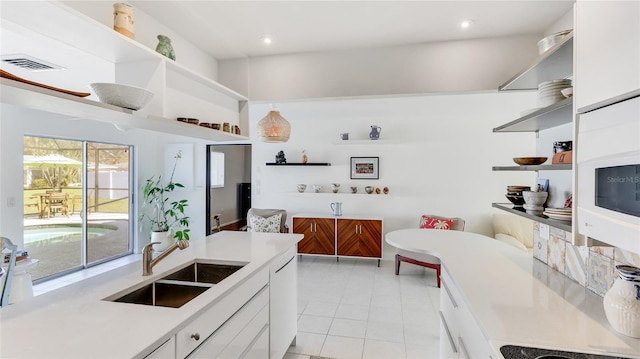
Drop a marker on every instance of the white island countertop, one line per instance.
(76, 322)
(516, 299)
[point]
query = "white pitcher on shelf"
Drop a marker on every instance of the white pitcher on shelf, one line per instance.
(336, 207)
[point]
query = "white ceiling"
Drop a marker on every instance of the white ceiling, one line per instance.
(233, 29)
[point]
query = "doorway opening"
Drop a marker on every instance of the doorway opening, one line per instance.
(228, 187)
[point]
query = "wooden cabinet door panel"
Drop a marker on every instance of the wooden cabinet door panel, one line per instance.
(304, 226)
(325, 236)
(371, 233)
(319, 235)
(361, 238)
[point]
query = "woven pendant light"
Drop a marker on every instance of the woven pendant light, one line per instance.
(274, 128)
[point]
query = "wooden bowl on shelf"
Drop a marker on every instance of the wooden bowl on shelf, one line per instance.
(529, 161)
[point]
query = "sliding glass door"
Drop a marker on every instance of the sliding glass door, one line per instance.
(77, 203)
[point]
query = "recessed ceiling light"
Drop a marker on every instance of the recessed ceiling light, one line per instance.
(266, 40)
(466, 23)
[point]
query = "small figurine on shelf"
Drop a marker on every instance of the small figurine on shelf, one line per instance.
(280, 159)
(305, 158)
(165, 48)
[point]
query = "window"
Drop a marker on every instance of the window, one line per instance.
(217, 169)
(77, 204)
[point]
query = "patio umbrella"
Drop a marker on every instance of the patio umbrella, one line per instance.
(53, 160)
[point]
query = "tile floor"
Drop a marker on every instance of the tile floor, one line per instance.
(353, 309)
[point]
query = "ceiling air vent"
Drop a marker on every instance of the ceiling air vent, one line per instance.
(29, 63)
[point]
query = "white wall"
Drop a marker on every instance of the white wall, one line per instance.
(563, 23)
(438, 160)
(148, 152)
(471, 65)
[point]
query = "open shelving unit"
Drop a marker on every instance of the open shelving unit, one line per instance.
(563, 167)
(520, 211)
(37, 98)
(178, 90)
(555, 63)
(545, 118)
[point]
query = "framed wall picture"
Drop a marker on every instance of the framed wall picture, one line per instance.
(365, 168)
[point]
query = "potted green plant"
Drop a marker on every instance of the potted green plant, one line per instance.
(167, 218)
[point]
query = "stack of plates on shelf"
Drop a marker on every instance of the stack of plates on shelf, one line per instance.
(550, 92)
(561, 214)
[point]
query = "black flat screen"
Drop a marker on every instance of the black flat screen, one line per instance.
(618, 189)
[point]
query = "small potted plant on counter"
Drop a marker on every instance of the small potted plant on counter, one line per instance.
(168, 221)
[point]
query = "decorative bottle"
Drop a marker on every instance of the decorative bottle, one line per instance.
(622, 301)
(123, 19)
(375, 132)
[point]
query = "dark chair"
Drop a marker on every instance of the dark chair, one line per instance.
(426, 260)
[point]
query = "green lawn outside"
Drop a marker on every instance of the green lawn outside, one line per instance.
(32, 205)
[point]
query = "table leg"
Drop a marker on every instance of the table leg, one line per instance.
(42, 205)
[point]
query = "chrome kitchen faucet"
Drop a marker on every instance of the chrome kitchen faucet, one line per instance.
(147, 258)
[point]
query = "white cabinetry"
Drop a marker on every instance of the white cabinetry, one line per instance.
(607, 50)
(166, 351)
(236, 310)
(283, 302)
(460, 335)
(448, 321)
(102, 55)
(239, 333)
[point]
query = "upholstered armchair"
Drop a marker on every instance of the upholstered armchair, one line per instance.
(267, 220)
(429, 222)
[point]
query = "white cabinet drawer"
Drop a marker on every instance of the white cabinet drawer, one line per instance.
(460, 335)
(212, 318)
(166, 351)
(220, 339)
(449, 306)
(244, 342)
(260, 348)
(449, 326)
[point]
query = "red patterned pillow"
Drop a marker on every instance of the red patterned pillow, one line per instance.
(434, 223)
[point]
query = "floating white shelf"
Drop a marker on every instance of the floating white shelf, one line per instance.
(307, 192)
(37, 98)
(361, 142)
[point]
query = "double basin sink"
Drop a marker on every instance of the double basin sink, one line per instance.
(180, 286)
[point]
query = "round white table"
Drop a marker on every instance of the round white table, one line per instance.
(434, 241)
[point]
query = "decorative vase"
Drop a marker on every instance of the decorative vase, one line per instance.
(375, 132)
(622, 301)
(165, 48)
(166, 239)
(123, 19)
